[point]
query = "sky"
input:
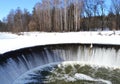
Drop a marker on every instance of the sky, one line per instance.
(7, 5)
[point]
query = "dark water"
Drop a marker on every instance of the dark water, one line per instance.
(16, 63)
(71, 74)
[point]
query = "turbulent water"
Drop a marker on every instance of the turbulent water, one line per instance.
(68, 73)
(22, 63)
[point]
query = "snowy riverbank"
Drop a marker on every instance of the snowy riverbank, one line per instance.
(10, 41)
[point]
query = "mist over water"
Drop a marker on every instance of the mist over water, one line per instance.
(15, 63)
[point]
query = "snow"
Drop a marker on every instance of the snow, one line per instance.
(83, 77)
(9, 41)
(80, 76)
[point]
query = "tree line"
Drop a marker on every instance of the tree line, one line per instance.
(64, 16)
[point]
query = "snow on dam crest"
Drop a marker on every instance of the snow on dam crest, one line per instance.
(9, 42)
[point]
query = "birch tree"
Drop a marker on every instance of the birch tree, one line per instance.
(10, 21)
(65, 15)
(18, 22)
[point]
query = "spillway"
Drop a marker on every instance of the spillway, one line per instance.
(15, 63)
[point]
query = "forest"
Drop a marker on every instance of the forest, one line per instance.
(64, 16)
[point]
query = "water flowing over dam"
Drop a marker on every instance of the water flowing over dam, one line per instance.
(15, 63)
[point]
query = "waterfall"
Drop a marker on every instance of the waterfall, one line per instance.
(15, 63)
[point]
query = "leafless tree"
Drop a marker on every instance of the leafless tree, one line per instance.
(18, 22)
(26, 19)
(10, 20)
(115, 9)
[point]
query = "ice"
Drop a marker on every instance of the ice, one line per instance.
(83, 77)
(80, 76)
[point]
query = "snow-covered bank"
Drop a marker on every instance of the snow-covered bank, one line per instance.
(10, 41)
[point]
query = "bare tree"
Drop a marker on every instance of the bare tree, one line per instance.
(26, 19)
(37, 17)
(18, 22)
(88, 12)
(10, 20)
(115, 8)
(65, 15)
(102, 7)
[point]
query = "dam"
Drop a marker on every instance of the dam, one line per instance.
(15, 63)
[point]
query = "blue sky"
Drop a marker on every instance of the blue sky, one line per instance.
(7, 5)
